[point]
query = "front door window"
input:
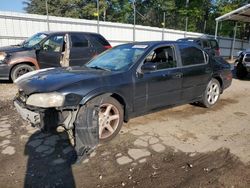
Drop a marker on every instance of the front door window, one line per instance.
(163, 57)
(53, 44)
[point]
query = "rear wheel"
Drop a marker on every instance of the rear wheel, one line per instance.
(20, 70)
(241, 71)
(211, 94)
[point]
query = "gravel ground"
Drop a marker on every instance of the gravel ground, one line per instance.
(186, 146)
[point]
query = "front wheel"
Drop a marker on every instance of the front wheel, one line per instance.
(110, 119)
(20, 70)
(211, 94)
(104, 112)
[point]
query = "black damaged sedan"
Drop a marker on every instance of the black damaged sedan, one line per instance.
(124, 82)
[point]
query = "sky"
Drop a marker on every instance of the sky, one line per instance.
(12, 5)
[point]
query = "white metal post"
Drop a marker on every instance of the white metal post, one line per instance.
(186, 24)
(232, 50)
(216, 29)
(164, 25)
(98, 18)
(47, 13)
(134, 21)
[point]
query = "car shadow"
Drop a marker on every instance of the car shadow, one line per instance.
(50, 158)
(247, 78)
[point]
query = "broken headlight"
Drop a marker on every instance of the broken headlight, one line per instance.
(2, 56)
(46, 100)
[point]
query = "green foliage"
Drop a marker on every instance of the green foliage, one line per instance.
(201, 13)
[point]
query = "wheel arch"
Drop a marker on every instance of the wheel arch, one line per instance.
(21, 63)
(115, 95)
(219, 79)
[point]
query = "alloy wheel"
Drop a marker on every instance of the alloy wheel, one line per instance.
(109, 119)
(213, 93)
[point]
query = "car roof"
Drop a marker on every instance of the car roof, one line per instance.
(157, 43)
(64, 32)
(196, 39)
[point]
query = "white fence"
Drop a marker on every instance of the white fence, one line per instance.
(15, 27)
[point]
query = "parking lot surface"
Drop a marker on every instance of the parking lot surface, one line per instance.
(186, 146)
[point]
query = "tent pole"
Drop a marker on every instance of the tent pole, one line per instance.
(235, 31)
(216, 30)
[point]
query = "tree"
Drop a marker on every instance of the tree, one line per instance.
(201, 13)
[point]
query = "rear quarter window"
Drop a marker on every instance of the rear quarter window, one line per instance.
(205, 44)
(100, 40)
(191, 55)
(214, 44)
(247, 58)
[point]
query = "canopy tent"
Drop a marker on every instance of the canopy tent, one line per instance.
(241, 14)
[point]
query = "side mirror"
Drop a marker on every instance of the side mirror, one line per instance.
(148, 67)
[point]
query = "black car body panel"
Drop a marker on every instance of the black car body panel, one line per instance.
(124, 82)
(242, 64)
(139, 93)
(210, 45)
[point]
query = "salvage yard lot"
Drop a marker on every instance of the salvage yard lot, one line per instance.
(186, 146)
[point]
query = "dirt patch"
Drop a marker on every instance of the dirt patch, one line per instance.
(183, 112)
(181, 170)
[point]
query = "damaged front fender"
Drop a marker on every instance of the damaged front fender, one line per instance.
(87, 128)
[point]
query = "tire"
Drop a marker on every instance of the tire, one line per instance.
(107, 107)
(20, 70)
(211, 94)
(241, 71)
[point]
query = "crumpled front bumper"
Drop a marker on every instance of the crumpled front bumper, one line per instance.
(27, 115)
(86, 134)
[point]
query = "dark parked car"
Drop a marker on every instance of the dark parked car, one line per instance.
(242, 64)
(50, 49)
(208, 44)
(127, 81)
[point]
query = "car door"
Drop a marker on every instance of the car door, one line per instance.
(81, 50)
(50, 52)
(159, 87)
(196, 72)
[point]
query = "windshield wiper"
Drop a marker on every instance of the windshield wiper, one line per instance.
(100, 68)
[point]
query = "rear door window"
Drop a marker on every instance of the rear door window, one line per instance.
(191, 55)
(79, 41)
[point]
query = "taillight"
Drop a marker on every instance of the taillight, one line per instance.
(229, 76)
(107, 46)
(218, 52)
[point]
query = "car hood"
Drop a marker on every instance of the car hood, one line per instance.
(53, 79)
(13, 48)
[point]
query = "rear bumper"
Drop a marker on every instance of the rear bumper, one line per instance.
(227, 78)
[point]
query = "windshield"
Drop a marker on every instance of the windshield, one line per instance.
(118, 58)
(35, 39)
